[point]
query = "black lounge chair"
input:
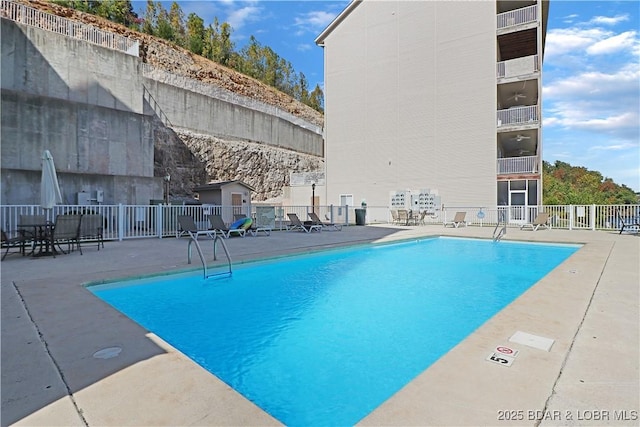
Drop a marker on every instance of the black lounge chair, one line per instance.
(628, 222)
(188, 225)
(296, 224)
(218, 225)
(315, 220)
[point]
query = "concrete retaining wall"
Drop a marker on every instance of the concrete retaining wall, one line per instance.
(87, 105)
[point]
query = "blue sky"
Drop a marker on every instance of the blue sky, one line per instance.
(591, 80)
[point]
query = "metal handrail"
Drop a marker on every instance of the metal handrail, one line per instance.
(216, 238)
(502, 218)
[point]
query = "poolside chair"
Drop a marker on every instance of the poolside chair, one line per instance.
(218, 225)
(315, 220)
(629, 223)
(296, 224)
(403, 217)
(541, 220)
(458, 220)
(255, 227)
(188, 225)
(66, 230)
(91, 226)
(394, 216)
(18, 241)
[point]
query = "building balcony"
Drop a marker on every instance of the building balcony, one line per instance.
(517, 17)
(518, 165)
(518, 67)
(520, 115)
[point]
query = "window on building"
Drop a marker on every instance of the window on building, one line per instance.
(532, 192)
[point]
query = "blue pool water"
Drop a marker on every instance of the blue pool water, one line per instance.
(323, 339)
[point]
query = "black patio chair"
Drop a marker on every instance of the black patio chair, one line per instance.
(18, 241)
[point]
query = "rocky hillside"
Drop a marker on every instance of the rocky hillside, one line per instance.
(162, 54)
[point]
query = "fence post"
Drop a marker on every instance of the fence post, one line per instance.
(570, 217)
(593, 217)
(346, 214)
(331, 214)
(120, 222)
(159, 219)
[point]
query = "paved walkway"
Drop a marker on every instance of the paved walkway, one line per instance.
(52, 326)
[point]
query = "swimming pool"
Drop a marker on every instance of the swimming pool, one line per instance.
(324, 338)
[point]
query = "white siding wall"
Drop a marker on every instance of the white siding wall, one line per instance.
(410, 101)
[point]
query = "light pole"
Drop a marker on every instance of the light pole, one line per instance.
(167, 180)
(313, 197)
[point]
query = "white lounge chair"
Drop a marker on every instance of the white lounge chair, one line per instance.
(458, 220)
(541, 220)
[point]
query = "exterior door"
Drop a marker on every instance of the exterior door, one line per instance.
(236, 203)
(517, 206)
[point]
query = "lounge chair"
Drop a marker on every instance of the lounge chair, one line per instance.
(255, 227)
(633, 223)
(541, 220)
(458, 220)
(296, 224)
(403, 217)
(188, 225)
(218, 225)
(315, 220)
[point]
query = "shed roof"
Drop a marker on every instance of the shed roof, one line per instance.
(220, 184)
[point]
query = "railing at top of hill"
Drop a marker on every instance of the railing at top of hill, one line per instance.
(36, 18)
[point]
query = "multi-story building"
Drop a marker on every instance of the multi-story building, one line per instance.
(435, 97)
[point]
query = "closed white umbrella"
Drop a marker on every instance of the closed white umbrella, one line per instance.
(49, 188)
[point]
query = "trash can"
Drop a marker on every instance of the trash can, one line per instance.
(360, 216)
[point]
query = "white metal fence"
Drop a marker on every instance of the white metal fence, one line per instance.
(49, 22)
(144, 221)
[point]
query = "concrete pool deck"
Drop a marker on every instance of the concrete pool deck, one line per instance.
(52, 327)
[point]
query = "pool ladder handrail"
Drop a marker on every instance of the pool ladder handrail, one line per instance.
(216, 238)
(501, 220)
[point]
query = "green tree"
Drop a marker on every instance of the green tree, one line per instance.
(564, 184)
(195, 34)
(176, 20)
(150, 18)
(316, 99)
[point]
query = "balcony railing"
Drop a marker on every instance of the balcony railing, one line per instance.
(518, 16)
(518, 115)
(526, 164)
(518, 67)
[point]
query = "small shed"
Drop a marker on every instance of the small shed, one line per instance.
(233, 196)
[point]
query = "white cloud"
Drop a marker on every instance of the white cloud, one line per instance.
(614, 147)
(606, 20)
(569, 40)
(237, 18)
(315, 20)
(613, 44)
(303, 47)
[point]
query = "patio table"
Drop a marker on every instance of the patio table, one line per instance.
(42, 239)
